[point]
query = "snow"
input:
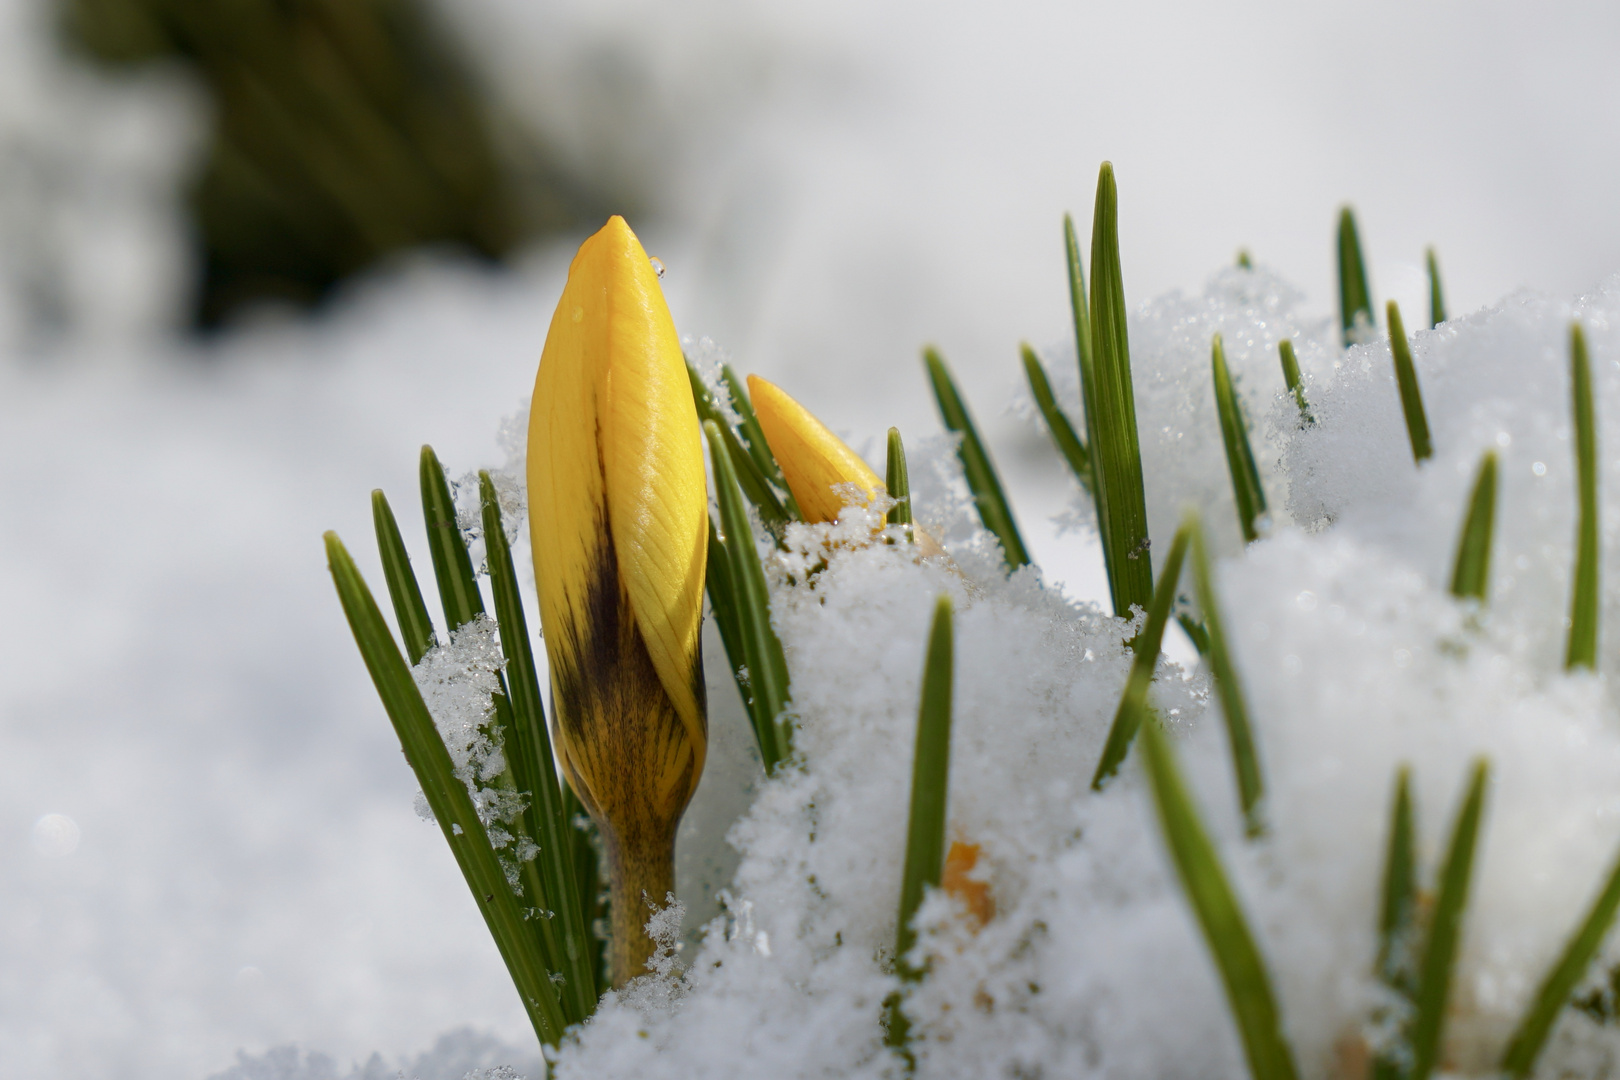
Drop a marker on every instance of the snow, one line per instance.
(1357, 662)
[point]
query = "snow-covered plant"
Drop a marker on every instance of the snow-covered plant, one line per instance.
(946, 869)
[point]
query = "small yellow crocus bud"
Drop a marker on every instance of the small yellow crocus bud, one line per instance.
(618, 515)
(819, 467)
(816, 464)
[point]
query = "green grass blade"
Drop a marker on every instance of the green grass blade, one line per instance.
(593, 897)
(452, 566)
(1355, 299)
(930, 773)
(453, 570)
(446, 795)
(925, 826)
(898, 481)
(1247, 494)
(1194, 629)
(1584, 603)
(1245, 760)
(1471, 576)
(1080, 306)
(1417, 422)
(1243, 971)
(723, 603)
(458, 587)
(976, 466)
(415, 625)
(1063, 433)
(753, 436)
(1437, 298)
(753, 483)
(767, 668)
(1116, 453)
(1398, 911)
(1296, 384)
(1133, 703)
(534, 770)
(1561, 981)
(1445, 929)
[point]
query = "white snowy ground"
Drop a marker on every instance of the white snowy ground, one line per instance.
(242, 868)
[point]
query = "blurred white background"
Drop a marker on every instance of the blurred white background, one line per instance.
(235, 863)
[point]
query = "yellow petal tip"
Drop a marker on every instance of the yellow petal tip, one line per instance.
(814, 462)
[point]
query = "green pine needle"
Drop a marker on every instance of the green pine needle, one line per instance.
(1437, 299)
(1397, 929)
(1445, 930)
(1133, 703)
(768, 684)
(1417, 422)
(446, 796)
(1561, 981)
(593, 896)
(1585, 600)
(1291, 376)
(1234, 710)
(755, 487)
(564, 933)
(898, 482)
(1471, 577)
(1080, 308)
(1398, 912)
(1115, 450)
(1063, 433)
(1243, 971)
(930, 774)
(981, 476)
(1247, 494)
(458, 585)
(753, 436)
(723, 604)
(1194, 629)
(925, 826)
(415, 625)
(452, 566)
(1355, 299)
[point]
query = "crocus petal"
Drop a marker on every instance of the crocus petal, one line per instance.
(618, 513)
(957, 881)
(814, 461)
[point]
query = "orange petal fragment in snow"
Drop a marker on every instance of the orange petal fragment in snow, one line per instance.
(974, 894)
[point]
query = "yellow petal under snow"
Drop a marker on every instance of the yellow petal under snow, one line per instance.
(815, 463)
(618, 516)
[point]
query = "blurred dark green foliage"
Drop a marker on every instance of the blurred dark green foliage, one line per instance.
(343, 131)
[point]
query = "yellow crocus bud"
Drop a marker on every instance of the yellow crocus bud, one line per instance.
(618, 515)
(818, 466)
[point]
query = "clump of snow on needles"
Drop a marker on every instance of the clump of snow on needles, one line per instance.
(1356, 661)
(457, 680)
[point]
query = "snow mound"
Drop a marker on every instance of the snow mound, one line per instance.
(1356, 662)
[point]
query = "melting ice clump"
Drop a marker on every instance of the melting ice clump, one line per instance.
(1355, 659)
